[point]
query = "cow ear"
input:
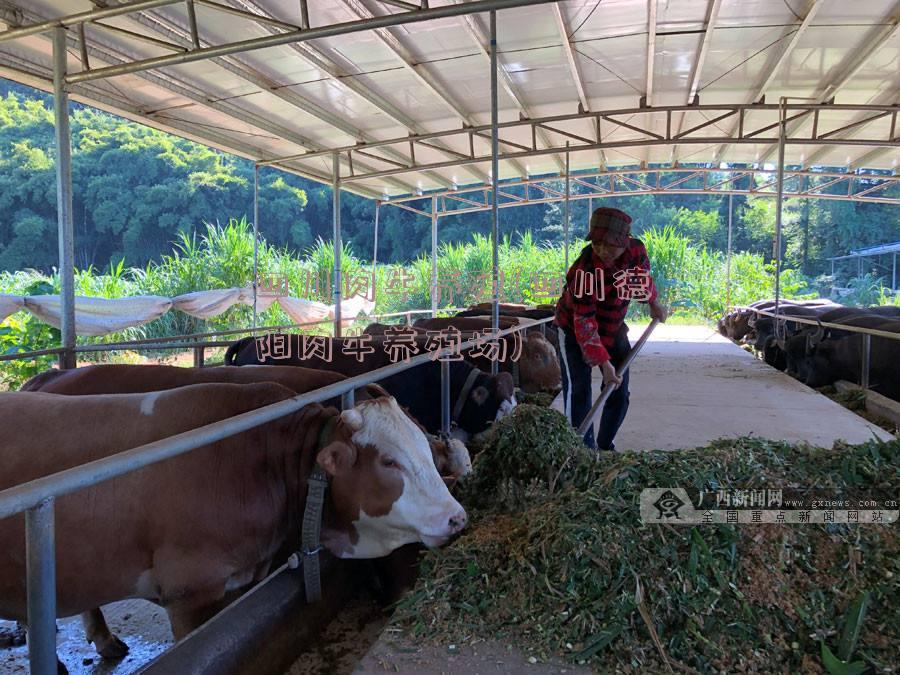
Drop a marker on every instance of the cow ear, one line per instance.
(337, 458)
(506, 386)
(479, 395)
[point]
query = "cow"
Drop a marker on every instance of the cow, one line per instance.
(451, 457)
(798, 346)
(535, 370)
(192, 532)
(477, 398)
(770, 337)
(136, 379)
(451, 460)
(889, 311)
(839, 357)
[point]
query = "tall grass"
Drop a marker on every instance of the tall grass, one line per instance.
(690, 278)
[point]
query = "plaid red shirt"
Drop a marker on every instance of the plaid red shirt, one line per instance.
(595, 299)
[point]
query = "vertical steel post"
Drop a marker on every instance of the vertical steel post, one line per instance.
(338, 248)
(375, 253)
(893, 274)
(434, 260)
(728, 256)
(779, 198)
(255, 239)
(64, 199)
(348, 400)
(445, 396)
(200, 357)
(566, 208)
(866, 361)
(40, 581)
(495, 180)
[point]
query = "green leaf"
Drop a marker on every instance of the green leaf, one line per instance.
(852, 625)
(837, 667)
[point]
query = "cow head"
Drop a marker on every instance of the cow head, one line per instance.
(384, 488)
(490, 399)
(451, 457)
(539, 365)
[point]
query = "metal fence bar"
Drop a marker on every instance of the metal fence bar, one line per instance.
(167, 342)
(610, 388)
(824, 324)
(866, 361)
(348, 400)
(40, 583)
(28, 495)
(445, 397)
(21, 356)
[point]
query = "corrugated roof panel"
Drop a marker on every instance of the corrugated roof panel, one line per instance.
(609, 42)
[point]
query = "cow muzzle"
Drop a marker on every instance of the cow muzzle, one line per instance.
(454, 523)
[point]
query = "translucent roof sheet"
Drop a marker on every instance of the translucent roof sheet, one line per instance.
(376, 85)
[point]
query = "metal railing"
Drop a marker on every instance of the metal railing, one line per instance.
(37, 497)
(192, 340)
(867, 334)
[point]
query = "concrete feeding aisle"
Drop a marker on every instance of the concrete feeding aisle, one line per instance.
(690, 386)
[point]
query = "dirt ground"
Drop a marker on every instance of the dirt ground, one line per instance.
(359, 642)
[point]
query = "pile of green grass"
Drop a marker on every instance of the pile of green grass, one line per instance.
(574, 572)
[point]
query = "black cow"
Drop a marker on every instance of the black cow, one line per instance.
(483, 398)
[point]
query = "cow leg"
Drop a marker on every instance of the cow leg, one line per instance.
(107, 645)
(184, 618)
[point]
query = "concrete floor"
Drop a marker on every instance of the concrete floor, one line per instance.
(690, 385)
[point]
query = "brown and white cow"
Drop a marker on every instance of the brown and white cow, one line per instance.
(451, 457)
(190, 532)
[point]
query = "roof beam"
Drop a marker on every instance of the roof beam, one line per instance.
(419, 71)
(759, 92)
(572, 62)
(712, 13)
(480, 37)
(858, 58)
(181, 36)
(887, 98)
(346, 81)
(574, 71)
(651, 52)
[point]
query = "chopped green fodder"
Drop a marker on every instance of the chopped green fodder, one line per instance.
(540, 398)
(531, 448)
(574, 572)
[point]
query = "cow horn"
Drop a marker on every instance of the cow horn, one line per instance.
(352, 418)
(816, 336)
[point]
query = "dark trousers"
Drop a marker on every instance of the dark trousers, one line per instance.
(576, 388)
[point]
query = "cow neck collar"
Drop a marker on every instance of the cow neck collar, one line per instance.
(464, 395)
(311, 525)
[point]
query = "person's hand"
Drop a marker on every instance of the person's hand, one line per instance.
(609, 373)
(658, 311)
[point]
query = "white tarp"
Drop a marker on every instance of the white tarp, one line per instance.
(10, 304)
(99, 316)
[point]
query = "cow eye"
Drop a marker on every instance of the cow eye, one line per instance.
(389, 463)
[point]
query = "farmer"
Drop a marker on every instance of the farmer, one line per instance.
(590, 319)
